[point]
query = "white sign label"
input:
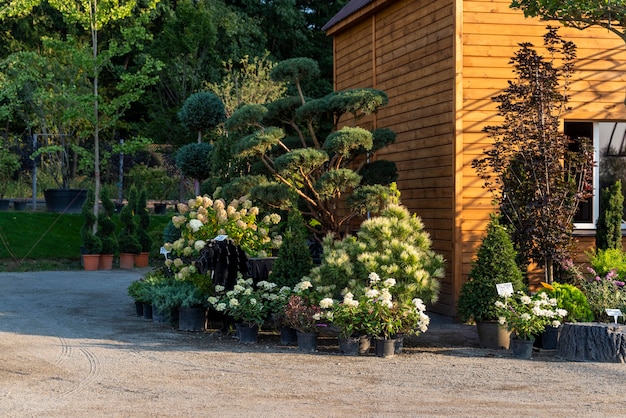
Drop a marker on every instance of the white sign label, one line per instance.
(504, 289)
(615, 313)
(220, 237)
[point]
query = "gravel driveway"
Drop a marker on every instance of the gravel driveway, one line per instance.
(72, 346)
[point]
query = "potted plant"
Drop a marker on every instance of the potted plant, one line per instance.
(293, 260)
(9, 164)
(92, 245)
(202, 219)
(128, 243)
(571, 299)
(246, 304)
(495, 263)
(527, 316)
(387, 317)
(303, 313)
(106, 231)
(141, 211)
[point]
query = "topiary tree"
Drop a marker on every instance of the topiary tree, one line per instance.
(106, 226)
(536, 173)
(495, 263)
(193, 160)
(609, 225)
(297, 141)
(141, 211)
(201, 111)
(91, 243)
(127, 239)
(393, 245)
(294, 259)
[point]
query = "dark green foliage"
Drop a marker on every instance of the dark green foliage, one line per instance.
(609, 226)
(202, 111)
(381, 138)
(141, 211)
(295, 70)
(379, 172)
(294, 258)
(170, 232)
(194, 161)
(537, 174)
(495, 263)
(572, 299)
(250, 114)
(348, 140)
(91, 243)
(127, 239)
(362, 101)
(299, 145)
(106, 226)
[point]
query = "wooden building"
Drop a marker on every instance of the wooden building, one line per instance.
(441, 62)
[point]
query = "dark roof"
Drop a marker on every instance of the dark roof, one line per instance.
(347, 10)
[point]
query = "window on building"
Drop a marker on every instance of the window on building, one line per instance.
(609, 143)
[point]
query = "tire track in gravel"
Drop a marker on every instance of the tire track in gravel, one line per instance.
(93, 371)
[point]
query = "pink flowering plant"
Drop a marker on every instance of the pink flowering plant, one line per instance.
(608, 291)
(529, 315)
(202, 219)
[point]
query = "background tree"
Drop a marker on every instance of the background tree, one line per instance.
(92, 16)
(537, 174)
(580, 14)
(301, 149)
(609, 225)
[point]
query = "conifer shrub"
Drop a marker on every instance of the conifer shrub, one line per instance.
(495, 263)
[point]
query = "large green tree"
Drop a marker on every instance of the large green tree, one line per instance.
(303, 151)
(91, 16)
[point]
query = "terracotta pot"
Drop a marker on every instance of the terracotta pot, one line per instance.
(91, 261)
(127, 260)
(106, 262)
(141, 260)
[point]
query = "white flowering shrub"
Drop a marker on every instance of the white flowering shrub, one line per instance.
(202, 219)
(393, 245)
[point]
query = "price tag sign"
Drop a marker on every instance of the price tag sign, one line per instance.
(615, 313)
(220, 237)
(504, 289)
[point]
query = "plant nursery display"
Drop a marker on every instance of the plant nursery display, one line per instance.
(528, 315)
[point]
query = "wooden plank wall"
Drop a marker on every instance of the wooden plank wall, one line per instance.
(412, 49)
(491, 33)
(407, 48)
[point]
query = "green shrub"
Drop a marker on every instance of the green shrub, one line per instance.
(609, 228)
(495, 263)
(604, 261)
(393, 245)
(572, 299)
(294, 258)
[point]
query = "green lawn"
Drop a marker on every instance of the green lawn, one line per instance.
(49, 241)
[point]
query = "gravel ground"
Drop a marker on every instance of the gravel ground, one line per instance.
(71, 345)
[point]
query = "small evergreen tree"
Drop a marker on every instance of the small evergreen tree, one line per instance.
(609, 228)
(294, 259)
(127, 239)
(106, 226)
(495, 263)
(141, 211)
(91, 243)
